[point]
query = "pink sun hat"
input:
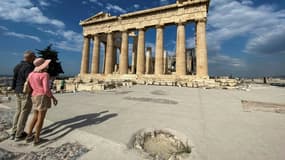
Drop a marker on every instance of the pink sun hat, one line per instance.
(41, 64)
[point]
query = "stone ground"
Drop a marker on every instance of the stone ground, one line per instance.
(214, 121)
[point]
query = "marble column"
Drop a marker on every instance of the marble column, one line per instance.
(109, 54)
(104, 58)
(181, 50)
(159, 48)
(114, 58)
(165, 63)
(201, 49)
(85, 56)
(134, 54)
(124, 53)
(96, 55)
(148, 60)
(141, 52)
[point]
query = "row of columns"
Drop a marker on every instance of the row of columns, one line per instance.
(139, 57)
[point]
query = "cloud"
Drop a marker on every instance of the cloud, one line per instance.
(3, 28)
(48, 31)
(226, 60)
(164, 2)
(25, 11)
(136, 6)
(262, 27)
(71, 41)
(43, 3)
(230, 19)
(96, 2)
(115, 8)
(271, 42)
(6, 32)
(23, 36)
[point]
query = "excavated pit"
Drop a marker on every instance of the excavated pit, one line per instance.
(161, 144)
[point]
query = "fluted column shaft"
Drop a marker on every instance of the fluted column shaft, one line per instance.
(159, 48)
(85, 56)
(104, 58)
(181, 50)
(109, 54)
(96, 55)
(165, 62)
(201, 49)
(114, 56)
(124, 53)
(148, 60)
(134, 54)
(141, 52)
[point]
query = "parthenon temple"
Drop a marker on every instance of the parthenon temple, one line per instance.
(114, 32)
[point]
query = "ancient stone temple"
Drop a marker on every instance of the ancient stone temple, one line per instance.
(114, 32)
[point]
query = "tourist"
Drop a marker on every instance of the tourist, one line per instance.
(62, 86)
(41, 98)
(24, 103)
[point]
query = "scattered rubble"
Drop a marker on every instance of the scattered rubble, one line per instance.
(6, 120)
(67, 151)
(105, 83)
(249, 106)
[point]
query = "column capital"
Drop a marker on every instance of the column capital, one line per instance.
(180, 22)
(159, 26)
(124, 30)
(141, 28)
(201, 20)
(87, 36)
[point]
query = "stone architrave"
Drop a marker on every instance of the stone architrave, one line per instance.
(159, 48)
(124, 53)
(181, 50)
(141, 52)
(201, 49)
(85, 56)
(96, 55)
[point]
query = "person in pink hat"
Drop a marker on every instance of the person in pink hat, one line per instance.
(41, 98)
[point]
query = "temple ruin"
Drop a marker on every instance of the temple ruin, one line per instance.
(114, 32)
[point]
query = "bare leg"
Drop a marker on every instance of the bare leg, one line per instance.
(33, 123)
(39, 124)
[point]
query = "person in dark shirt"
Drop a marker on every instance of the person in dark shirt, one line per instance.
(24, 102)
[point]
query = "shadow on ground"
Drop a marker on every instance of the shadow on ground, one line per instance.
(61, 128)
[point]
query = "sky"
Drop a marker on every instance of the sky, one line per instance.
(245, 37)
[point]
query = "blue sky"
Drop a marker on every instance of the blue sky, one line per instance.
(245, 37)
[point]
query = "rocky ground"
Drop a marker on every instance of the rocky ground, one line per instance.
(215, 121)
(67, 151)
(6, 119)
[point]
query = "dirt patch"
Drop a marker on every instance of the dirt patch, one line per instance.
(67, 151)
(161, 144)
(249, 106)
(159, 92)
(152, 100)
(123, 92)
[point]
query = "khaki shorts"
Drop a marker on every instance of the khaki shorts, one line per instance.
(41, 103)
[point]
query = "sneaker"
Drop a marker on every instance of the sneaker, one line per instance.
(12, 136)
(36, 142)
(30, 139)
(21, 137)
